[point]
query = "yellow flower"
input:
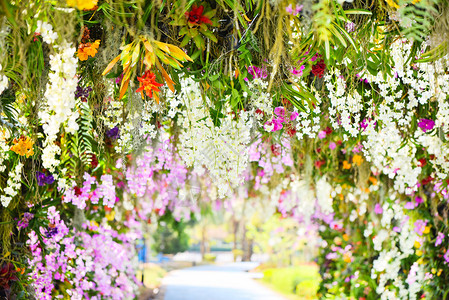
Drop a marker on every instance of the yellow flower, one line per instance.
(392, 4)
(439, 272)
(357, 159)
(346, 165)
(420, 261)
(417, 244)
(82, 4)
(110, 215)
(23, 146)
(346, 237)
(347, 258)
(426, 230)
(434, 270)
(418, 252)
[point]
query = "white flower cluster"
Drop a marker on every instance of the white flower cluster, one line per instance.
(4, 148)
(435, 146)
(394, 246)
(345, 107)
(113, 113)
(13, 185)
(385, 121)
(4, 31)
(135, 127)
(46, 31)
(324, 195)
(59, 106)
(3, 81)
(223, 148)
(146, 128)
(260, 99)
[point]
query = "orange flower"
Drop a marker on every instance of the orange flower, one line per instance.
(346, 165)
(357, 159)
(347, 258)
(88, 49)
(23, 146)
(148, 83)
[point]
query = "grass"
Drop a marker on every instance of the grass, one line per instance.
(297, 283)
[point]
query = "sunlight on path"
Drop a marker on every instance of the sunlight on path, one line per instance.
(223, 282)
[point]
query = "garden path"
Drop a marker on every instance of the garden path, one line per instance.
(217, 282)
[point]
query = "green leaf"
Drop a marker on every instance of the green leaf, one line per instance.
(184, 42)
(199, 42)
(209, 14)
(210, 35)
(183, 31)
(357, 12)
(193, 32)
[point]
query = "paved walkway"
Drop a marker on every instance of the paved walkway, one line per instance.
(221, 282)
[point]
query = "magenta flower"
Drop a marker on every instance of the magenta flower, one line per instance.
(298, 72)
(418, 200)
(332, 145)
(426, 124)
(440, 239)
(257, 72)
(279, 111)
(322, 134)
(378, 209)
(294, 115)
(277, 124)
(289, 9)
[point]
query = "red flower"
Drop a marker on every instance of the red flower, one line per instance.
(427, 180)
(422, 162)
(195, 16)
(319, 163)
(7, 274)
(276, 149)
(148, 83)
(319, 68)
(94, 162)
(77, 191)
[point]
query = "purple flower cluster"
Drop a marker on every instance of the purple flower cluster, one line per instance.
(105, 190)
(43, 179)
(420, 226)
(426, 124)
(77, 259)
(113, 133)
(24, 222)
(439, 239)
(82, 93)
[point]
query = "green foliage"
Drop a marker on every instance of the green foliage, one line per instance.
(417, 17)
(79, 147)
(300, 280)
(170, 236)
